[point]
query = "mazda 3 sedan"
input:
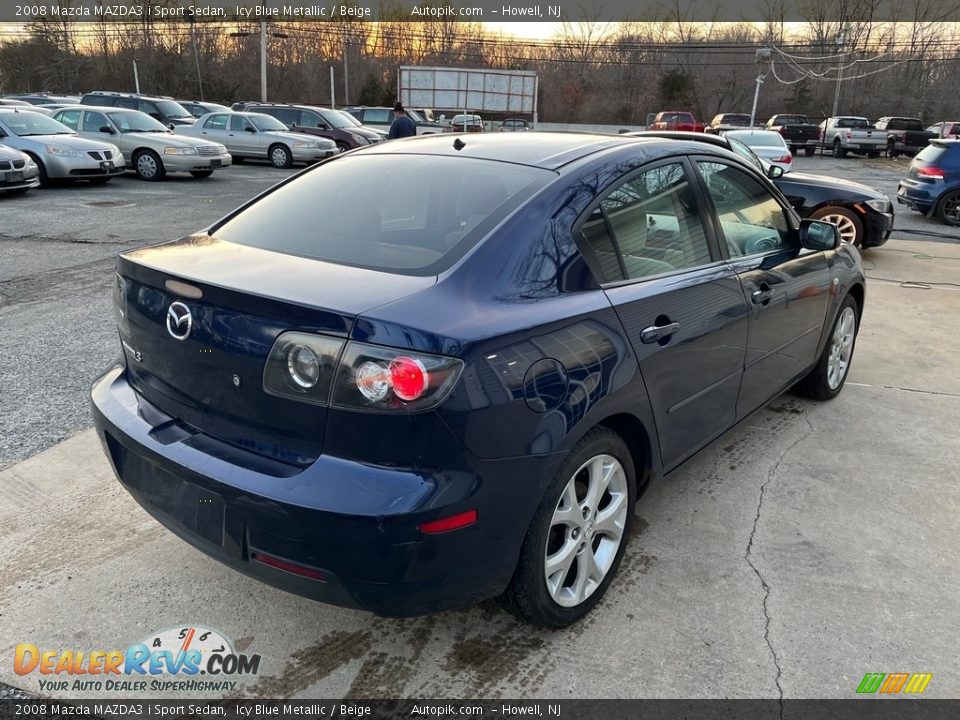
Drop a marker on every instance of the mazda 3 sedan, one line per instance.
(409, 402)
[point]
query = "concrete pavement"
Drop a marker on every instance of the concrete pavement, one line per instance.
(810, 545)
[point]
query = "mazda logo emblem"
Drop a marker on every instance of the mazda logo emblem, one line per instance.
(179, 321)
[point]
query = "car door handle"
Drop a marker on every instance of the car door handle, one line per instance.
(762, 296)
(656, 333)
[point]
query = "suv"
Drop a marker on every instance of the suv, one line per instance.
(199, 108)
(932, 184)
(382, 117)
(324, 122)
(164, 109)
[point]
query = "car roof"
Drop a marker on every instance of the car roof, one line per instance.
(547, 150)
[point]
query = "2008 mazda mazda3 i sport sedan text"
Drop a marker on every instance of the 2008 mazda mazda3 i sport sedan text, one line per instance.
(412, 396)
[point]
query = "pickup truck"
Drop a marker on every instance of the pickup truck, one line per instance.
(949, 129)
(904, 135)
(797, 131)
(851, 134)
(676, 120)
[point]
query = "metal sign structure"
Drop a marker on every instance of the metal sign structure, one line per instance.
(469, 90)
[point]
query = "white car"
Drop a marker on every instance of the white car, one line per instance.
(766, 144)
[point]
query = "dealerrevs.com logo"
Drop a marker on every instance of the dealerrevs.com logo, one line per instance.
(189, 659)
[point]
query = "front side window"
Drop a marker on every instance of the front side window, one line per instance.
(750, 217)
(648, 225)
(239, 123)
(93, 121)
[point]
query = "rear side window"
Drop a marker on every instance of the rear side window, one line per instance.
(70, 118)
(216, 122)
(931, 154)
(376, 116)
(364, 211)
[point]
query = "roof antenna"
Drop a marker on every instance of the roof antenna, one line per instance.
(459, 144)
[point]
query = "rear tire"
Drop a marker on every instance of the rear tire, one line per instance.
(809, 151)
(892, 151)
(948, 209)
(578, 534)
(838, 151)
(827, 378)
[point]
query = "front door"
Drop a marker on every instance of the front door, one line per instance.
(680, 304)
(786, 288)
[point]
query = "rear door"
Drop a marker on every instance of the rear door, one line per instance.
(680, 305)
(786, 288)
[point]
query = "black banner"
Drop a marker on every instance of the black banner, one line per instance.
(854, 709)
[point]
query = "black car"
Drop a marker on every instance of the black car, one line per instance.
(199, 108)
(863, 215)
(166, 110)
(411, 402)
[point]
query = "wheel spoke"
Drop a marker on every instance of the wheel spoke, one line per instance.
(558, 566)
(589, 576)
(568, 511)
(610, 522)
(600, 473)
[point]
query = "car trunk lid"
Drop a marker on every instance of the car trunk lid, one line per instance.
(206, 371)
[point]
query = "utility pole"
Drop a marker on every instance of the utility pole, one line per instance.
(136, 76)
(196, 55)
(763, 54)
(263, 61)
(841, 42)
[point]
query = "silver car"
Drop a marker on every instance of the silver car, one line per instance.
(18, 173)
(261, 137)
(56, 149)
(150, 149)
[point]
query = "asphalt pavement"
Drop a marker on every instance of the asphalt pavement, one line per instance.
(808, 546)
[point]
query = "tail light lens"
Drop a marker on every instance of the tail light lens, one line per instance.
(381, 379)
(932, 173)
(849, 135)
(325, 370)
(301, 366)
(788, 158)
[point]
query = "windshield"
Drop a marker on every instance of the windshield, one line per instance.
(128, 122)
(29, 123)
(266, 122)
(336, 119)
(172, 109)
(350, 119)
(344, 212)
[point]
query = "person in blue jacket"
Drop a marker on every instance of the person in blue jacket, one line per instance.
(402, 125)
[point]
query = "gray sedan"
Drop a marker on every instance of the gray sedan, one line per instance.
(18, 173)
(148, 147)
(262, 137)
(56, 149)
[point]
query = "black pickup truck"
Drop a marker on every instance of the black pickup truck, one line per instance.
(904, 135)
(797, 132)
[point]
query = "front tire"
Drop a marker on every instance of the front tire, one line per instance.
(149, 166)
(827, 378)
(44, 178)
(280, 156)
(948, 209)
(847, 222)
(577, 537)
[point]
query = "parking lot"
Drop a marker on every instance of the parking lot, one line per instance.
(808, 546)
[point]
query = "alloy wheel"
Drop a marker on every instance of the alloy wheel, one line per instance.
(841, 348)
(950, 208)
(848, 231)
(586, 530)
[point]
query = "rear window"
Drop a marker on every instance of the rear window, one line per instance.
(853, 123)
(407, 214)
(931, 154)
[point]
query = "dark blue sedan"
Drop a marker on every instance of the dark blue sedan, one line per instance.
(412, 396)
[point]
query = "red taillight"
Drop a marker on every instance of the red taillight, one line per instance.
(849, 135)
(408, 378)
(454, 522)
(782, 130)
(926, 171)
(788, 158)
(287, 566)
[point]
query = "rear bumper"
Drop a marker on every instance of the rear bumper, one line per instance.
(355, 524)
(917, 195)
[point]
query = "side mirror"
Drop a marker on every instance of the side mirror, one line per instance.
(774, 171)
(819, 235)
(323, 126)
(293, 126)
(250, 129)
(171, 126)
(155, 115)
(107, 129)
